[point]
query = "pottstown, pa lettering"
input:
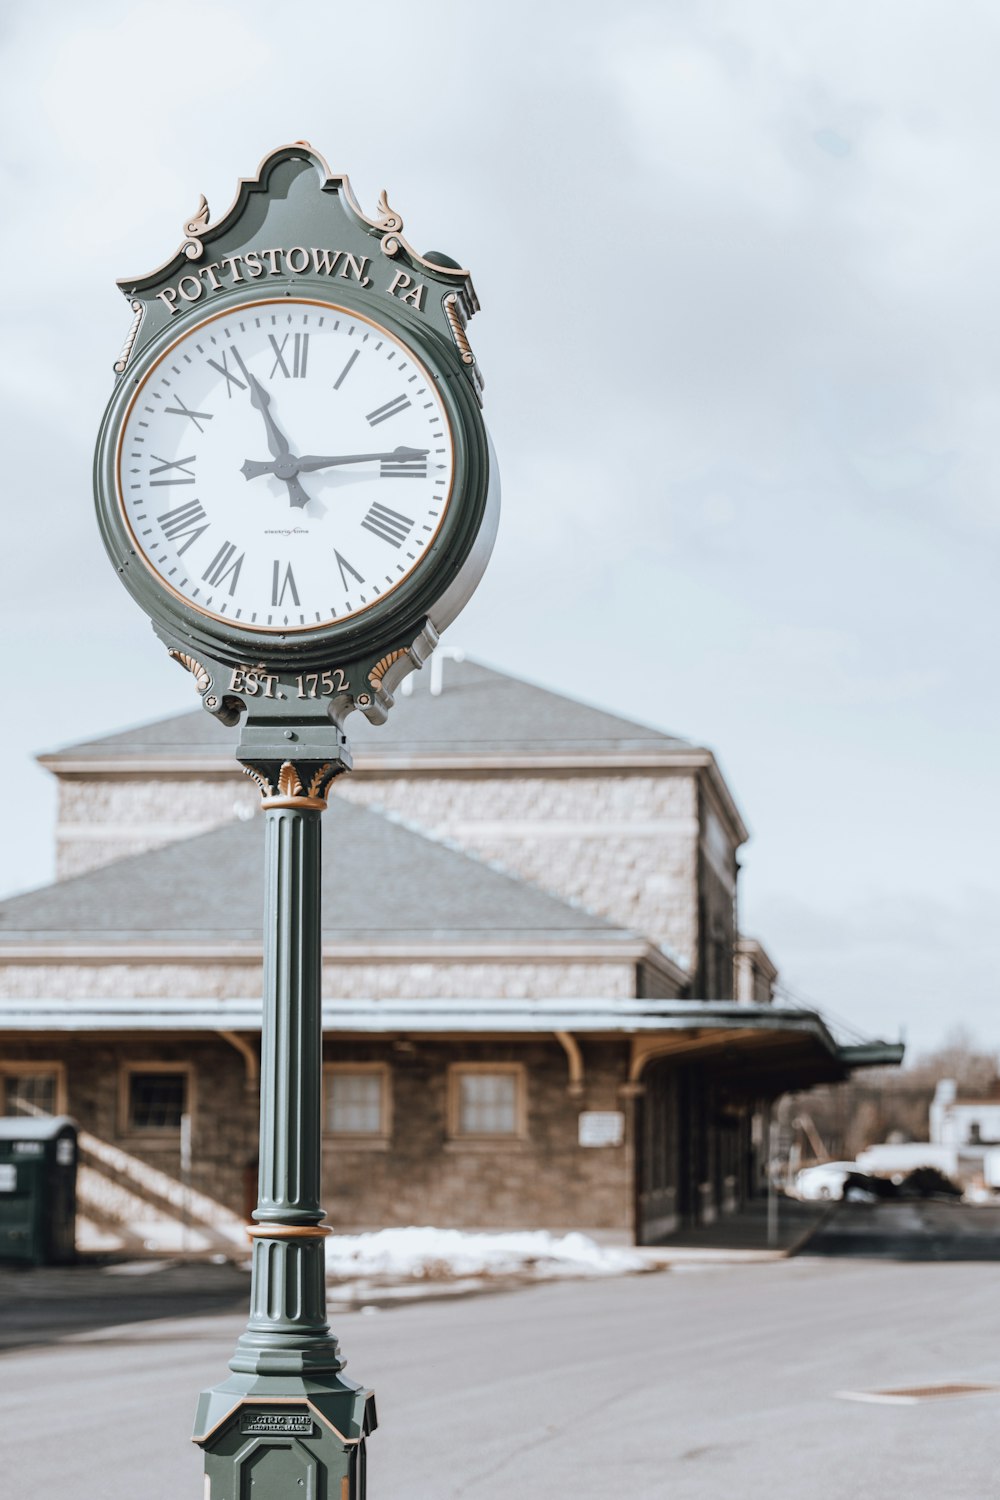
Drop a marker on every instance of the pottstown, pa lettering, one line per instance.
(238, 270)
(275, 1423)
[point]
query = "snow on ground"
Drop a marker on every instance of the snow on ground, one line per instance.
(428, 1254)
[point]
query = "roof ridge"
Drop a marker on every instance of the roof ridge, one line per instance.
(516, 711)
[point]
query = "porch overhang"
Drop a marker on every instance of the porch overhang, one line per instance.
(765, 1049)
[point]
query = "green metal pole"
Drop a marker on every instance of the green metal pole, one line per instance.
(288, 1331)
(287, 1419)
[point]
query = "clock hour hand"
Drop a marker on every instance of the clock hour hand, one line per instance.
(253, 470)
(261, 400)
(285, 468)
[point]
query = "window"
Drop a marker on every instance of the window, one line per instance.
(357, 1100)
(153, 1097)
(486, 1100)
(31, 1094)
(33, 1090)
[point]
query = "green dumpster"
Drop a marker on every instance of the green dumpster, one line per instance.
(38, 1190)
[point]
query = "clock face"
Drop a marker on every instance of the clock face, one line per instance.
(285, 465)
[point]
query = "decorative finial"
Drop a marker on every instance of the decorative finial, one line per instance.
(388, 218)
(195, 228)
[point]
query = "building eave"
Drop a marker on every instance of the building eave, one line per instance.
(392, 764)
(371, 1016)
(873, 1054)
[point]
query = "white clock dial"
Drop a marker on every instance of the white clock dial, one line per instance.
(285, 464)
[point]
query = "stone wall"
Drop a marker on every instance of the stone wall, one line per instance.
(130, 1193)
(420, 1176)
(545, 1181)
(714, 970)
(342, 979)
(99, 819)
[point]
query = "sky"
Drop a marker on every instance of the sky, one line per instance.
(737, 267)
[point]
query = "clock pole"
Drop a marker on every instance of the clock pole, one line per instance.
(287, 1382)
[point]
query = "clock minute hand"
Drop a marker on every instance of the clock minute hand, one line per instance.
(311, 462)
(287, 465)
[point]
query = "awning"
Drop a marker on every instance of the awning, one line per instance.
(782, 1048)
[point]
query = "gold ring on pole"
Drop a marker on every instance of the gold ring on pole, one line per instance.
(289, 1231)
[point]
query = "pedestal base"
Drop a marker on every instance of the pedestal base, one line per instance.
(267, 1437)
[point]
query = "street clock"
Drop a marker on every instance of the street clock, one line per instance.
(293, 477)
(293, 480)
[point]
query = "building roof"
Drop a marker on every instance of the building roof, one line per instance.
(482, 719)
(479, 710)
(384, 886)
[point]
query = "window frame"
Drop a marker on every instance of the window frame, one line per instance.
(166, 1133)
(371, 1140)
(19, 1069)
(456, 1134)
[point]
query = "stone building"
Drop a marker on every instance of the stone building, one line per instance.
(537, 1005)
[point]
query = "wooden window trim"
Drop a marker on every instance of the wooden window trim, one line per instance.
(364, 1140)
(458, 1136)
(14, 1069)
(168, 1133)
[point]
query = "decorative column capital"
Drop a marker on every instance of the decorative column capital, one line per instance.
(303, 786)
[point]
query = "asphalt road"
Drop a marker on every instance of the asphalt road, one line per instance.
(924, 1229)
(671, 1386)
(38, 1304)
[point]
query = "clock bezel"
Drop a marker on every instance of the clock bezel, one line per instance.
(404, 605)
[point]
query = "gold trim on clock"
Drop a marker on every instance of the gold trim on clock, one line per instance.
(380, 668)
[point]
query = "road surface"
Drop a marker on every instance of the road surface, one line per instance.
(681, 1385)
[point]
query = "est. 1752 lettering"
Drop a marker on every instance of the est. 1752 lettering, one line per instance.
(307, 685)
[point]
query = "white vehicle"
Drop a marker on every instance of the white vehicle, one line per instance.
(824, 1181)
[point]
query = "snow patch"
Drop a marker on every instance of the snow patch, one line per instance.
(441, 1254)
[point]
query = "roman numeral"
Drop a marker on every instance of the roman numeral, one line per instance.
(197, 417)
(390, 409)
(279, 584)
(185, 476)
(224, 369)
(388, 524)
(300, 353)
(345, 371)
(404, 468)
(223, 566)
(184, 521)
(346, 568)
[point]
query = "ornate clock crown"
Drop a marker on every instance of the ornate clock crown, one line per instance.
(299, 189)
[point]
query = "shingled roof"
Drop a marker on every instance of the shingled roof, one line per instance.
(383, 885)
(479, 711)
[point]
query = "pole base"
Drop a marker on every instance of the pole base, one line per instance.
(285, 1435)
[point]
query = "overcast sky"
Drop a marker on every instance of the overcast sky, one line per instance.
(738, 270)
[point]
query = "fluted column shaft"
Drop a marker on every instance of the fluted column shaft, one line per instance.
(292, 1035)
(287, 1331)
